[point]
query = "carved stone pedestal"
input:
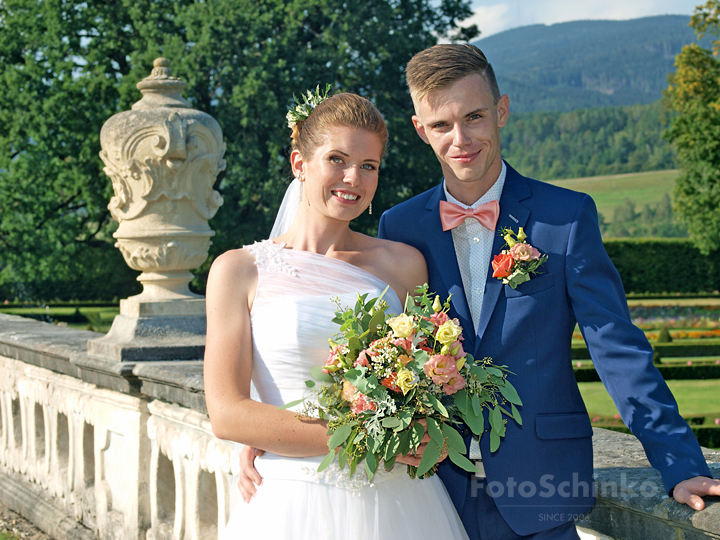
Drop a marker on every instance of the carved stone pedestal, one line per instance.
(163, 158)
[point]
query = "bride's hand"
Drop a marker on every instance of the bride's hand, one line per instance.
(413, 458)
(249, 477)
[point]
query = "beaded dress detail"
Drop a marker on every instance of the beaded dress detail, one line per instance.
(291, 321)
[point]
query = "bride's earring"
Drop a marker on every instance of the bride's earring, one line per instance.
(370, 210)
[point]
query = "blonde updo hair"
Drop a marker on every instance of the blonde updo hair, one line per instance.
(345, 109)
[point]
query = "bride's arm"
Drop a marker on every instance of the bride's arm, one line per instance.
(228, 367)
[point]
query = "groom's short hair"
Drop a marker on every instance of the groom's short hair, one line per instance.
(441, 66)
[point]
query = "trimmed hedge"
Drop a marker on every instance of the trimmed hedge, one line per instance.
(711, 371)
(707, 436)
(676, 349)
(663, 265)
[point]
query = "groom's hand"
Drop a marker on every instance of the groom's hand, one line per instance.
(249, 477)
(692, 490)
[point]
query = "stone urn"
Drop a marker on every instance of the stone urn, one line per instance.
(163, 158)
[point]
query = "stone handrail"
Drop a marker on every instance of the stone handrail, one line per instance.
(91, 448)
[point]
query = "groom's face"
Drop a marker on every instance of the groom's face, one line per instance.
(462, 125)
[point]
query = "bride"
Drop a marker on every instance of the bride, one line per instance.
(269, 317)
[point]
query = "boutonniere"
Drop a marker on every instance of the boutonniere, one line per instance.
(518, 260)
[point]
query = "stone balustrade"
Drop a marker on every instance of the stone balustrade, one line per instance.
(91, 448)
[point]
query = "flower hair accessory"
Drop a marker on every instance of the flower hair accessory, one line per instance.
(519, 261)
(300, 111)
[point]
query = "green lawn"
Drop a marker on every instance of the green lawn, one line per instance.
(694, 398)
(610, 191)
(100, 317)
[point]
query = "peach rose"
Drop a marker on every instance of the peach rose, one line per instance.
(524, 252)
(455, 382)
(348, 391)
(362, 404)
(502, 265)
(440, 367)
(439, 318)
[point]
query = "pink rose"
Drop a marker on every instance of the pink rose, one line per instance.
(440, 367)
(460, 352)
(502, 265)
(362, 404)
(405, 343)
(524, 252)
(455, 382)
(332, 363)
(362, 359)
(439, 318)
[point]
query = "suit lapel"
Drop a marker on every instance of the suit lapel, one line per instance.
(513, 214)
(442, 256)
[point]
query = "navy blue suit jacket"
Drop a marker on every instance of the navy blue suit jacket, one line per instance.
(544, 467)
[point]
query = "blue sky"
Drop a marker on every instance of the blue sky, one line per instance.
(493, 16)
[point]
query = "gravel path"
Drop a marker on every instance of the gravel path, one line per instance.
(15, 524)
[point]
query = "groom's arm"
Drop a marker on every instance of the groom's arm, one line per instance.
(623, 357)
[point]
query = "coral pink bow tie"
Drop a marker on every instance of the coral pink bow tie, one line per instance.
(453, 215)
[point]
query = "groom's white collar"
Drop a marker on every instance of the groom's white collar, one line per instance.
(492, 194)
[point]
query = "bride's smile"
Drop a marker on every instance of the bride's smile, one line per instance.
(341, 176)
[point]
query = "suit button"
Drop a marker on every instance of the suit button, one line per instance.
(466, 432)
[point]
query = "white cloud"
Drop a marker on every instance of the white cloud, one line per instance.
(491, 19)
(492, 16)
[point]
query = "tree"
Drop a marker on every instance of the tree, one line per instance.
(66, 66)
(694, 96)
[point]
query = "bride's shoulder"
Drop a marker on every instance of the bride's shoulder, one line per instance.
(401, 261)
(233, 269)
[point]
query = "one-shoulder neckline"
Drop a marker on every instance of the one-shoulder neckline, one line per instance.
(382, 282)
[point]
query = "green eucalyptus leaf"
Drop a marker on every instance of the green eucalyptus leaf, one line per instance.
(461, 401)
(454, 439)
(317, 373)
(327, 460)
(439, 407)
(516, 414)
(476, 422)
(371, 464)
(461, 461)
(476, 406)
(340, 435)
(291, 404)
(509, 392)
(434, 431)
(494, 441)
(429, 458)
(390, 422)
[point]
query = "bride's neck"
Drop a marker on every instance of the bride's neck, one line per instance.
(322, 238)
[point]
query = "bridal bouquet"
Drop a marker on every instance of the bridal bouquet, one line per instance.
(386, 374)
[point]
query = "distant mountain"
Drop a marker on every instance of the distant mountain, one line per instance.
(583, 64)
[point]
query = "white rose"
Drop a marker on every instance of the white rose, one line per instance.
(403, 325)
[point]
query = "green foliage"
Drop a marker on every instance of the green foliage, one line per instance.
(587, 142)
(664, 336)
(659, 265)
(582, 64)
(654, 220)
(67, 66)
(694, 95)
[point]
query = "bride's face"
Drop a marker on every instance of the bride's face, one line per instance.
(341, 177)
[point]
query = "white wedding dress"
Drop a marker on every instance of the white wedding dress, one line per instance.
(291, 323)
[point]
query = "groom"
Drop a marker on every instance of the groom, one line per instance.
(541, 477)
